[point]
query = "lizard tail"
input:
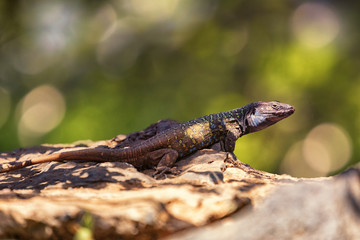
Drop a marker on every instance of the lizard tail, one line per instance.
(96, 155)
(16, 166)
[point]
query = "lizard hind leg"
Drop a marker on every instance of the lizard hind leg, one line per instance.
(167, 158)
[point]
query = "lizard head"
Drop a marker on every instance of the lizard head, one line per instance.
(261, 115)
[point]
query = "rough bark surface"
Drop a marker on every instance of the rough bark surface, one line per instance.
(213, 196)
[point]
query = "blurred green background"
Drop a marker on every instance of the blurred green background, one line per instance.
(74, 70)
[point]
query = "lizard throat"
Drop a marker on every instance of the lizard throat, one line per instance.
(258, 121)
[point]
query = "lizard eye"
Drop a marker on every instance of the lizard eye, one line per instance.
(276, 107)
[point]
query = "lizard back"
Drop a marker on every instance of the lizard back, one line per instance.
(186, 137)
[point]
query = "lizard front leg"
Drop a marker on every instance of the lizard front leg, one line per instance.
(167, 158)
(233, 132)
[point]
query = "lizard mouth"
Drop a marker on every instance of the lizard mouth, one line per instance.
(285, 111)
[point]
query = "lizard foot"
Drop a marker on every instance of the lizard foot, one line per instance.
(168, 158)
(160, 173)
(174, 170)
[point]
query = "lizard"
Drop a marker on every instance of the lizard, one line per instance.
(165, 148)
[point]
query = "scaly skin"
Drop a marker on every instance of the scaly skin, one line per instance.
(165, 148)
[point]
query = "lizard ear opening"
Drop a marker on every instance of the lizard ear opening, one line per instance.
(243, 126)
(246, 122)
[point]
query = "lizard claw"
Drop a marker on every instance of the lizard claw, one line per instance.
(159, 176)
(174, 170)
(160, 173)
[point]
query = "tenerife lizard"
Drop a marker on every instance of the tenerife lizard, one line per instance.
(165, 148)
